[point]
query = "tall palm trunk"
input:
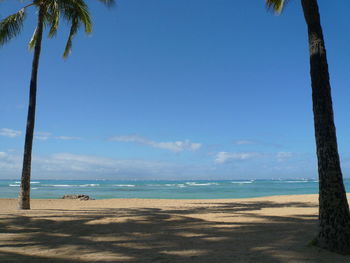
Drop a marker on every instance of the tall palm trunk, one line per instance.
(24, 194)
(334, 216)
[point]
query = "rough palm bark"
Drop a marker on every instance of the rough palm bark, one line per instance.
(24, 194)
(334, 216)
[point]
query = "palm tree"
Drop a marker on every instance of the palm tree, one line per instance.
(334, 215)
(49, 12)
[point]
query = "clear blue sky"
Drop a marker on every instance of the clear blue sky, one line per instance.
(174, 90)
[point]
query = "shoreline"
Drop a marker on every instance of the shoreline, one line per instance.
(195, 189)
(117, 202)
(275, 229)
(193, 199)
(184, 199)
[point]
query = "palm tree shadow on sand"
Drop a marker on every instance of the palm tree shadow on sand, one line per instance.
(237, 233)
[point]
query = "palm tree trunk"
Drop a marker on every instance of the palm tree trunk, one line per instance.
(334, 216)
(24, 194)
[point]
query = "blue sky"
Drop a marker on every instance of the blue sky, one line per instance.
(174, 90)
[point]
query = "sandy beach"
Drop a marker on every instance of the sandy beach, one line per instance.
(270, 229)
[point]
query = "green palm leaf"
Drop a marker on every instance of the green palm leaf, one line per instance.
(108, 3)
(53, 17)
(75, 12)
(32, 41)
(276, 5)
(11, 26)
(73, 30)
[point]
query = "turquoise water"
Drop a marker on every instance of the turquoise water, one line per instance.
(196, 189)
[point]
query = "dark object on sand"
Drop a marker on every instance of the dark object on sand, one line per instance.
(80, 197)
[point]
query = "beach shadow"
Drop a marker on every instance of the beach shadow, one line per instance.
(144, 235)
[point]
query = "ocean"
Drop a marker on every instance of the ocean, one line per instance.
(188, 189)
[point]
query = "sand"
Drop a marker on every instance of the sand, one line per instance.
(270, 229)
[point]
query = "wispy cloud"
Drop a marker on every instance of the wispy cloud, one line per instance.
(47, 135)
(223, 157)
(78, 166)
(245, 142)
(67, 138)
(176, 146)
(68, 166)
(9, 133)
(283, 156)
(10, 163)
(42, 136)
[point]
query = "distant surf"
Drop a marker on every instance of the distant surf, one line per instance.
(185, 189)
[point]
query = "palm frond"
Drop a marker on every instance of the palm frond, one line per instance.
(108, 3)
(11, 26)
(275, 5)
(76, 9)
(76, 12)
(73, 30)
(52, 17)
(32, 41)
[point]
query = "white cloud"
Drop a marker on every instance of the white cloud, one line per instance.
(283, 156)
(74, 166)
(9, 133)
(259, 143)
(9, 163)
(177, 146)
(223, 157)
(47, 135)
(67, 138)
(244, 142)
(42, 136)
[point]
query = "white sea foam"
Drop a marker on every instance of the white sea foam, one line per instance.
(292, 182)
(200, 184)
(34, 188)
(89, 185)
(18, 182)
(62, 185)
(14, 185)
(124, 185)
(242, 182)
(169, 185)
